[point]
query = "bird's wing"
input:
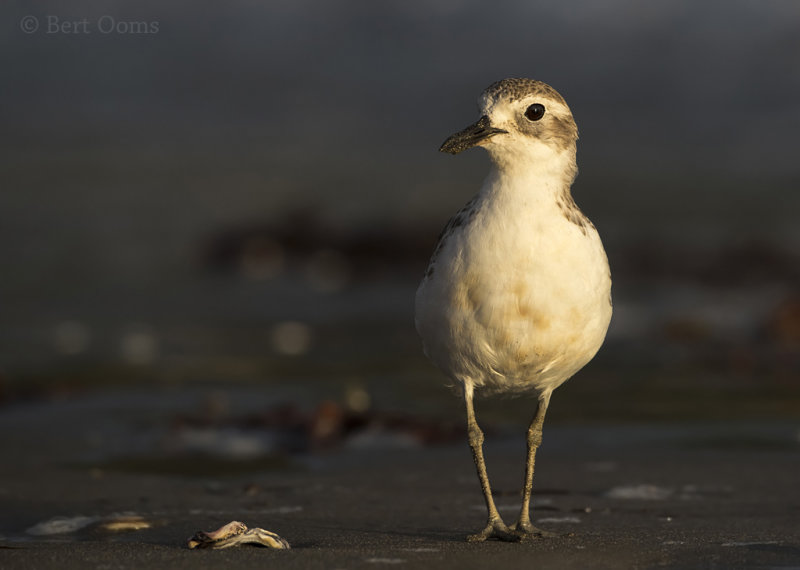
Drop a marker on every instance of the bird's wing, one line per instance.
(461, 218)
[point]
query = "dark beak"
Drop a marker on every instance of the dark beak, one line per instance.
(469, 137)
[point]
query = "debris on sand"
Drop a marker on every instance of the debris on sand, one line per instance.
(236, 533)
(643, 492)
(118, 522)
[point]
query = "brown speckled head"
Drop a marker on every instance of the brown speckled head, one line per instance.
(517, 88)
(517, 114)
(506, 101)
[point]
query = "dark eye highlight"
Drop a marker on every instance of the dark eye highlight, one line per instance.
(534, 112)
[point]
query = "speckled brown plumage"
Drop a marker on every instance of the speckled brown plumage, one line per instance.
(461, 218)
(571, 211)
(516, 88)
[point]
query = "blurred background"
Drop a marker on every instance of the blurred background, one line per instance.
(219, 213)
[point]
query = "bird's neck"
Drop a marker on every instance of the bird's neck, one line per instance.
(534, 178)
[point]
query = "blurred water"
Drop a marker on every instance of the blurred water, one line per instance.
(122, 149)
(125, 155)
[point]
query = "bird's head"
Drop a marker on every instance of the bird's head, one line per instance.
(519, 117)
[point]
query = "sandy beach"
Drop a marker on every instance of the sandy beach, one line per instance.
(627, 496)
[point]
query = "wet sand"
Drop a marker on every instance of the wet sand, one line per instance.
(634, 496)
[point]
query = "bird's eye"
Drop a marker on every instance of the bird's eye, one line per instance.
(534, 112)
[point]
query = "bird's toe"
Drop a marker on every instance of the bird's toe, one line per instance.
(526, 531)
(496, 530)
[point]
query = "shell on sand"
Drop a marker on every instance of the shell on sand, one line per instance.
(236, 533)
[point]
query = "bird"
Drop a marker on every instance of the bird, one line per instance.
(517, 295)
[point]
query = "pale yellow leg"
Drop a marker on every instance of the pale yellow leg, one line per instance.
(523, 526)
(495, 527)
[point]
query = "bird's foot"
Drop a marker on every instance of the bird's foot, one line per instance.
(526, 531)
(496, 529)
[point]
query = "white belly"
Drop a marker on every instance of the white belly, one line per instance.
(516, 303)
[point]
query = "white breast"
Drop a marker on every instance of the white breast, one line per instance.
(519, 298)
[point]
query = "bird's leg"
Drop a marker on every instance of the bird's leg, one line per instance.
(523, 526)
(495, 527)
